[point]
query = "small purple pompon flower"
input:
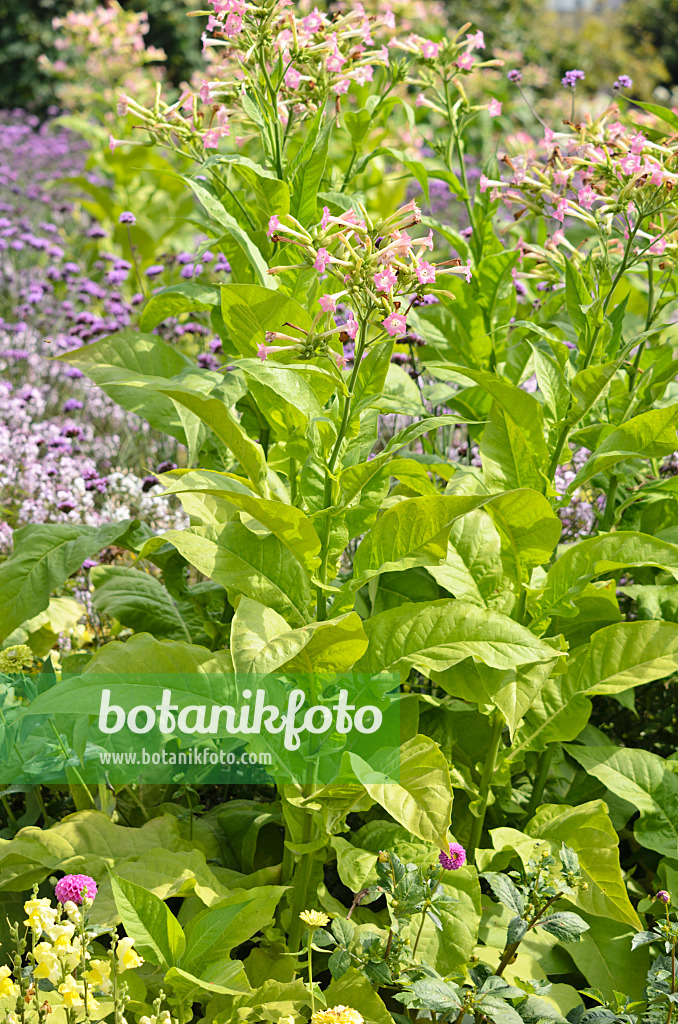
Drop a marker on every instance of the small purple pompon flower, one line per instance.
(453, 860)
(663, 896)
(127, 218)
(70, 887)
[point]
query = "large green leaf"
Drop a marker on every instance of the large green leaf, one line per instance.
(590, 833)
(85, 842)
(627, 654)
(282, 395)
(130, 354)
(213, 933)
(472, 570)
(239, 236)
(157, 934)
(513, 446)
(413, 532)
(187, 297)
(137, 600)
(219, 418)
(417, 792)
(288, 523)
(432, 637)
(261, 642)
(249, 311)
(604, 956)
(45, 555)
(651, 435)
(597, 556)
(644, 780)
(259, 567)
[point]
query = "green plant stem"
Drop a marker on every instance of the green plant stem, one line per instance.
(293, 481)
(553, 465)
(302, 879)
(321, 598)
(421, 928)
(606, 521)
(544, 765)
(486, 784)
(510, 951)
(310, 969)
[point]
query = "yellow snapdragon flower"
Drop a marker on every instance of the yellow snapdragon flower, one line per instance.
(70, 993)
(8, 990)
(48, 965)
(127, 957)
(41, 915)
(99, 975)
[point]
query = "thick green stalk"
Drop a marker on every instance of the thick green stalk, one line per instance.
(321, 599)
(486, 784)
(608, 514)
(302, 879)
(544, 765)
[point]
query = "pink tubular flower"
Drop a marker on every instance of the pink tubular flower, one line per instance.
(210, 139)
(465, 61)
(426, 273)
(351, 327)
(395, 323)
(453, 860)
(658, 247)
(262, 352)
(586, 197)
(429, 49)
(70, 887)
(560, 210)
(427, 242)
(292, 78)
(327, 304)
(476, 40)
(484, 183)
(385, 279)
(325, 218)
(342, 86)
(469, 274)
(494, 109)
(341, 362)
(204, 92)
(321, 260)
(273, 225)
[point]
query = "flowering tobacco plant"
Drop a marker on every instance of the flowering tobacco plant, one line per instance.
(485, 527)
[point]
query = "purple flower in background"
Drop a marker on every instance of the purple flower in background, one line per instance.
(166, 466)
(623, 82)
(154, 270)
(71, 405)
(570, 78)
(127, 218)
(515, 76)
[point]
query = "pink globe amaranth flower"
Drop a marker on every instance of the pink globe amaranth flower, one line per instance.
(70, 887)
(327, 304)
(453, 860)
(395, 323)
(663, 896)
